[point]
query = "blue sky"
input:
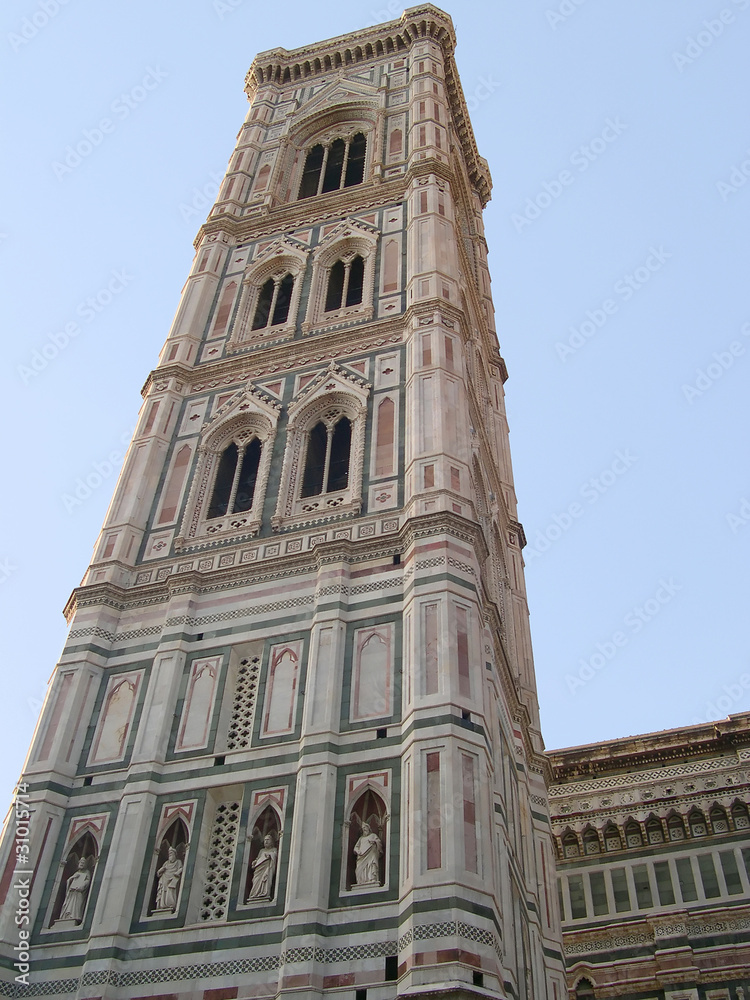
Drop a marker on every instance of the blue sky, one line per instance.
(618, 135)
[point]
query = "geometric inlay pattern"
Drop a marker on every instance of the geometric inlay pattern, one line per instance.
(220, 860)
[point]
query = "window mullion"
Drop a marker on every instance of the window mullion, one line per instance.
(236, 480)
(274, 297)
(323, 170)
(347, 268)
(327, 466)
(344, 164)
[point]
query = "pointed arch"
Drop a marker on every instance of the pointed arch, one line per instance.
(633, 834)
(234, 461)
(322, 471)
(366, 840)
(262, 866)
(74, 889)
(612, 838)
(591, 841)
(171, 853)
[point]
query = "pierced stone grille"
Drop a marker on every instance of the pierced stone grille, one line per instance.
(220, 858)
(241, 724)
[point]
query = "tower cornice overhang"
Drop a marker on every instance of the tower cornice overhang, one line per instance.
(289, 67)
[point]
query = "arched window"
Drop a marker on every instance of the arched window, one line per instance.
(75, 883)
(338, 165)
(612, 839)
(633, 836)
(327, 458)
(591, 841)
(740, 816)
(654, 831)
(570, 845)
(170, 863)
(697, 823)
(676, 827)
(236, 476)
(719, 821)
(367, 842)
(346, 282)
(274, 299)
(584, 990)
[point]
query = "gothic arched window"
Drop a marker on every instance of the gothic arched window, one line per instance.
(327, 458)
(633, 835)
(346, 282)
(236, 476)
(332, 167)
(591, 841)
(740, 816)
(274, 299)
(570, 845)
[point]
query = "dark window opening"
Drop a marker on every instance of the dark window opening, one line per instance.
(264, 305)
(355, 167)
(380, 734)
(236, 477)
(346, 284)
(397, 560)
(88, 780)
(311, 173)
(477, 978)
(360, 995)
(315, 461)
(335, 291)
(341, 443)
(199, 636)
(327, 458)
(219, 760)
(224, 482)
(274, 300)
(283, 300)
(391, 967)
(330, 168)
(356, 282)
(248, 477)
(334, 166)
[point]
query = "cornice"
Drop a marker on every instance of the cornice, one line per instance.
(680, 745)
(274, 568)
(286, 217)
(284, 68)
(284, 357)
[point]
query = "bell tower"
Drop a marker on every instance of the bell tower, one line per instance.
(292, 744)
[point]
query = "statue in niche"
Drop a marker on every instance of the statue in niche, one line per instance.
(264, 869)
(168, 882)
(367, 851)
(76, 893)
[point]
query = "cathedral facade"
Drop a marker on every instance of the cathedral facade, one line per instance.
(292, 744)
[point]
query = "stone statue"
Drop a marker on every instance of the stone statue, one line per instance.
(264, 869)
(368, 850)
(76, 893)
(169, 882)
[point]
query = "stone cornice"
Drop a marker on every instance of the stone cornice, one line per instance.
(282, 67)
(652, 750)
(274, 568)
